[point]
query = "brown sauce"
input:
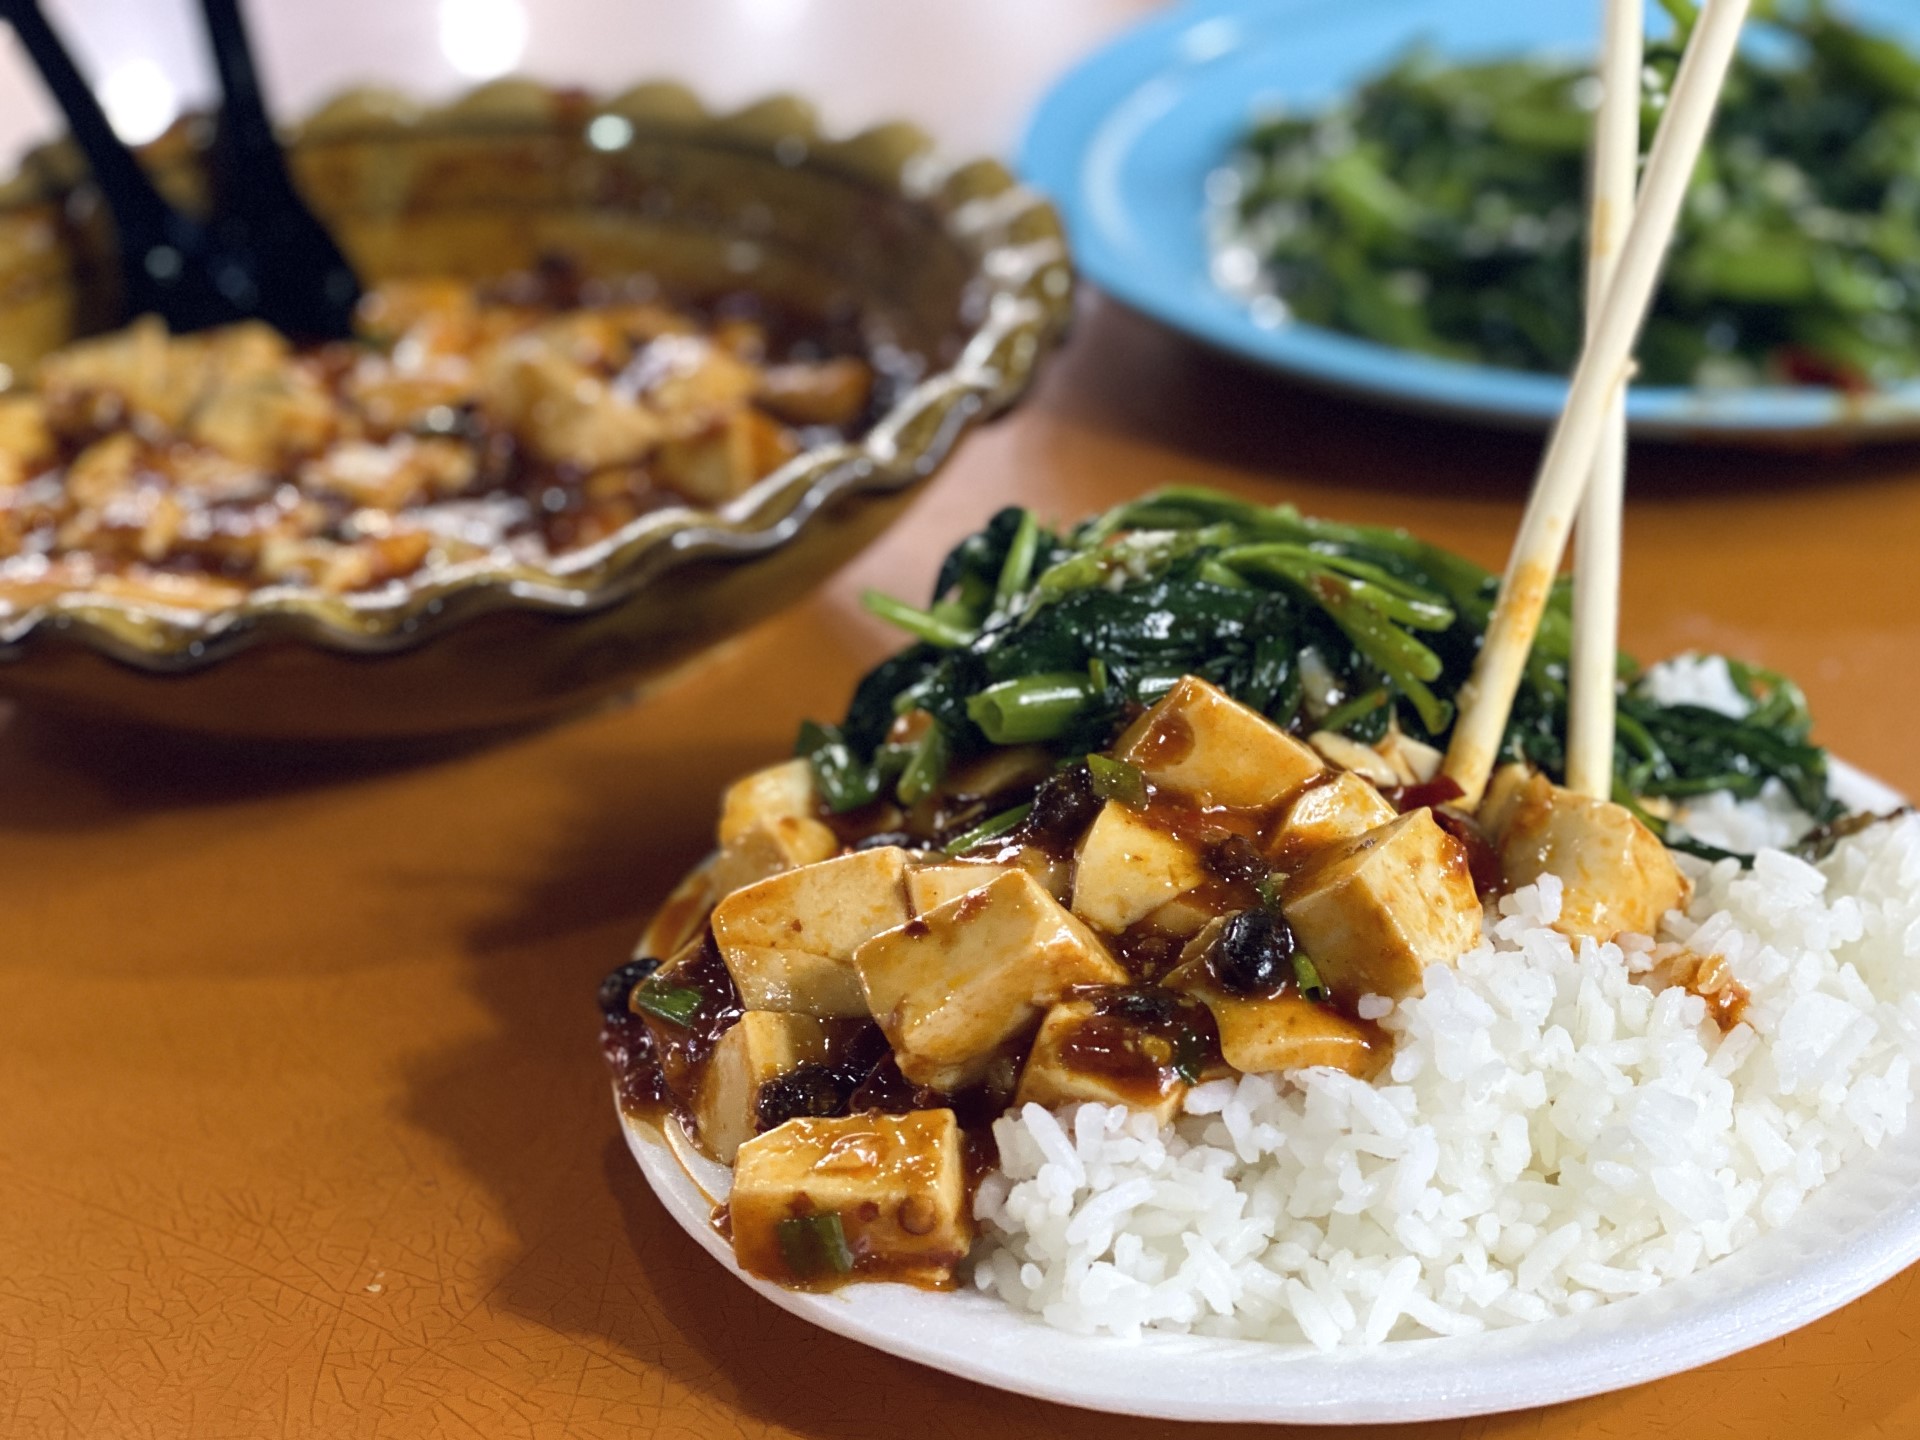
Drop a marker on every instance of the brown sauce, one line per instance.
(681, 1051)
(1201, 826)
(628, 1050)
(1146, 952)
(1176, 1019)
(1168, 741)
(1482, 860)
(1136, 1064)
(1709, 977)
(1427, 795)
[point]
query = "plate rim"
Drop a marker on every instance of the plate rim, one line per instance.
(1781, 1302)
(1069, 120)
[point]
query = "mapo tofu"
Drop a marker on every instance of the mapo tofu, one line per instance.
(1149, 804)
(519, 420)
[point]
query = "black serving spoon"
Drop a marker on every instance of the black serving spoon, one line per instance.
(261, 255)
(303, 285)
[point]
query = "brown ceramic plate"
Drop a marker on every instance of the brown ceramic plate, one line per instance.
(955, 265)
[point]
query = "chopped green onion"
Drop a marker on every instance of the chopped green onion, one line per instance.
(844, 783)
(926, 767)
(1118, 780)
(1268, 888)
(1308, 978)
(1097, 673)
(673, 1003)
(1189, 1055)
(921, 624)
(987, 830)
(1030, 709)
(1358, 708)
(814, 1245)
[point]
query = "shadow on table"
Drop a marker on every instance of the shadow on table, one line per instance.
(61, 772)
(1128, 375)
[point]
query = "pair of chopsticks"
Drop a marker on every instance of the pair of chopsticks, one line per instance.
(1584, 464)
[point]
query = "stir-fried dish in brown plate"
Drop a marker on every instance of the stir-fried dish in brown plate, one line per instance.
(540, 414)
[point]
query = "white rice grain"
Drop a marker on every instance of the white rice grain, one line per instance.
(1551, 1134)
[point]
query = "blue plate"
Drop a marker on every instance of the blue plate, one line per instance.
(1125, 142)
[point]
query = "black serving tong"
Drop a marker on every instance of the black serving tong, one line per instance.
(260, 255)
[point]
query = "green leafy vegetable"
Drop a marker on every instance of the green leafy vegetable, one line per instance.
(926, 765)
(814, 1246)
(843, 778)
(922, 623)
(1441, 208)
(1352, 629)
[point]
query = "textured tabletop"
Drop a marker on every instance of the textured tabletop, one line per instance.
(302, 1127)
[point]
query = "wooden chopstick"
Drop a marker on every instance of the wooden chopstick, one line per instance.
(1487, 697)
(1596, 540)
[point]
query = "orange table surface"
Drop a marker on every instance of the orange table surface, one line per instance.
(302, 1126)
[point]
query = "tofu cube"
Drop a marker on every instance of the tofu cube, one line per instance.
(723, 460)
(1185, 915)
(682, 916)
(26, 441)
(769, 847)
(1265, 1034)
(1126, 868)
(955, 987)
(1618, 877)
(777, 793)
(789, 940)
(935, 885)
(1351, 755)
(1080, 1056)
(1504, 790)
(895, 1184)
(1054, 872)
(1414, 761)
(1376, 910)
(1213, 750)
(760, 1045)
(1340, 807)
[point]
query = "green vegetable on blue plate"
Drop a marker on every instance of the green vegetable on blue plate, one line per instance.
(1441, 208)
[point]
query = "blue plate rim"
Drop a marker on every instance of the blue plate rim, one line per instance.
(1052, 156)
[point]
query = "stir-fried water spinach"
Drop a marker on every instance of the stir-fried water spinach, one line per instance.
(1441, 208)
(1034, 636)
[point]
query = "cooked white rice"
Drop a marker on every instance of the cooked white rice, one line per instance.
(1555, 1130)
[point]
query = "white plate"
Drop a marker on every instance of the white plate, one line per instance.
(1858, 1230)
